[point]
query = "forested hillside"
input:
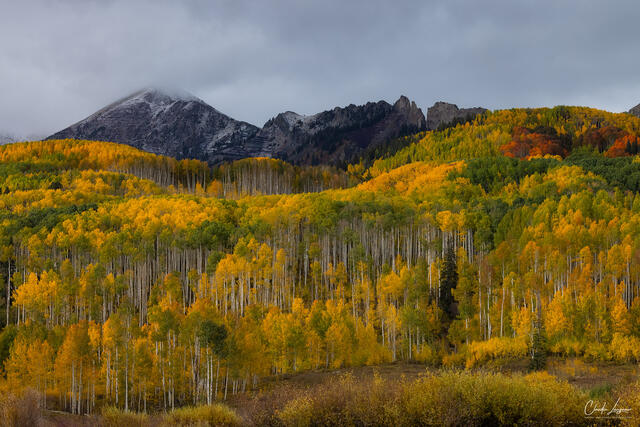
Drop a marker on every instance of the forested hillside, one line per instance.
(523, 133)
(143, 282)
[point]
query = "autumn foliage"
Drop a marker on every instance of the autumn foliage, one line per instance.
(527, 143)
(139, 282)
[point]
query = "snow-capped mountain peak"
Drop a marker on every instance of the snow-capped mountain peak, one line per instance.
(178, 124)
(169, 122)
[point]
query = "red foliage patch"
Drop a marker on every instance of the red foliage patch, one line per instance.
(601, 138)
(626, 145)
(610, 140)
(527, 143)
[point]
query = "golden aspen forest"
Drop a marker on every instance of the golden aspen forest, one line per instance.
(134, 284)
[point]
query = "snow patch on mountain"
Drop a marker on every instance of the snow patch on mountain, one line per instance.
(173, 123)
(7, 138)
(178, 124)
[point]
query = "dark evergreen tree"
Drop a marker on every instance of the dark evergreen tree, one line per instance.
(448, 282)
(7, 336)
(538, 347)
(214, 336)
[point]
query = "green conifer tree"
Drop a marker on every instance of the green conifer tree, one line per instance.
(448, 282)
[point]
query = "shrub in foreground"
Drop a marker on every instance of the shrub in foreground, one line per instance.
(207, 415)
(344, 402)
(114, 417)
(20, 409)
(446, 398)
(212, 415)
(462, 398)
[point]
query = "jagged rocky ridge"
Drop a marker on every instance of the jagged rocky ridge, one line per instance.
(180, 125)
(338, 135)
(635, 111)
(443, 113)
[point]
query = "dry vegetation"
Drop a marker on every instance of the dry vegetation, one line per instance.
(20, 410)
(394, 395)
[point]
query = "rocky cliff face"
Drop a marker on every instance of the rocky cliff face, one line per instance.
(443, 113)
(175, 124)
(635, 111)
(338, 135)
(183, 126)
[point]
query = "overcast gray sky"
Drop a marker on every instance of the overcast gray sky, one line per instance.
(62, 60)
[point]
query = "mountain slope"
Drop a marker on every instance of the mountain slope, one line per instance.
(340, 134)
(635, 111)
(183, 126)
(161, 122)
(523, 133)
(6, 138)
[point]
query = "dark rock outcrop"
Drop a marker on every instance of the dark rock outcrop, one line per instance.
(635, 111)
(338, 135)
(443, 113)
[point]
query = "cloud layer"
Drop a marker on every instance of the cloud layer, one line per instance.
(62, 60)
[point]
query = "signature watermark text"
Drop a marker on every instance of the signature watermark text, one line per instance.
(595, 409)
